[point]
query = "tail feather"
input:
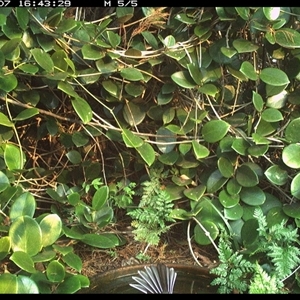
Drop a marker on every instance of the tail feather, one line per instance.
(155, 279)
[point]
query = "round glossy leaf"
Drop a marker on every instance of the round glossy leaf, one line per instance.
(43, 59)
(26, 235)
(227, 200)
(4, 247)
(216, 52)
(8, 82)
(273, 76)
(8, 283)
(26, 285)
(214, 130)
(259, 140)
(24, 205)
(55, 271)
(243, 46)
(73, 261)
(134, 89)
(91, 52)
(165, 139)
(234, 213)
(131, 74)
(209, 89)
(168, 115)
(99, 240)
(291, 156)
(131, 140)
(200, 151)
(184, 148)
(51, 226)
(133, 114)
(201, 237)
(248, 70)
(225, 167)
(249, 232)
(169, 158)
(74, 157)
(195, 72)
(183, 79)
(69, 286)
(295, 186)
(253, 196)
(26, 114)
(233, 187)
(147, 152)
(4, 182)
(23, 261)
(258, 102)
(271, 115)
(163, 99)
(276, 175)
(82, 109)
(258, 150)
(215, 181)
(271, 13)
(246, 177)
(229, 52)
(292, 131)
(275, 216)
(287, 38)
(196, 193)
(13, 157)
(265, 128)
(79, 138)
(292, 210)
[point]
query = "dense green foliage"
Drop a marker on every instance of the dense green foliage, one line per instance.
(96, 101)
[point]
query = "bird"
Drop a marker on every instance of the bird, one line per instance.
(155, 279)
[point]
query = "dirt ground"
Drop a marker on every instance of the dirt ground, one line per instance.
(173, 248)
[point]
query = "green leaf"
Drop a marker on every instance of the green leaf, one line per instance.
(26, 114)
(28, 68)
(43, 59)
(130, 139)
(295, 186)
(258, 102)
(26, 235)
(165, 140)
(5, 121)
(229, 52)
(134, 89)
(22, 17)
(183, 79)
(13, 157)
(253, 196)
(292, 210)
(291, 156)
(292, 132)
(214, 130)
(24, 205)
(195, 72)
(91, 52)
(8, 82)
(201, 237)
(100, 197)
(26, 285)
(134, 114)
(55, 271)
(249, 232)
(196, 193)
(169, 41)
(234, 213)
(200, 151)
(73, 261)
(99, 240)
(150, 39)
(51, 227)
(4, 182)
(209, 89)
(82, 109)
(132, 74)
(274, 77)
(225, 167)
(227, 200)
(244, 46)
(246, 177)
(66, 25)
(10, 46)
(147, 153)
(23, 261)
(271, 115)
(288, 38)
(244, 12)
(69, 286)
(74, 157)
(169, 158)
(4, 247)
(276, 175)
(124, 14)
(248, 70)
(8, 283)
(67, 88)
(215, 181)
(271, 13)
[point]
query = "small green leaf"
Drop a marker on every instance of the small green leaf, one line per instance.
(169, 158)
(130, 139)
(165, 139)
(227, 200)
(51, 227)
(234, 213)
(183, 79)
(23, 261)
(134, 89)
(295, 186)
(292, 210)
(26, 114)
(70, 285)
(271, 13)
(73, 261)
(276, 175)
(147, 153)
(200, 151)
(215, 130)
(215, 181)
(4, 247)
(28, 68)
(91, 52)
(275, 77)
(246, 177)
(287, 38)
(253, 196)
(8, 283)
(292, 131)
(55, 271)
(201, 236)
(196, 193)
(229, 52)
(22, 17)
(225, 167)
(26, 285)
(43, 59)
(134, 114)
(100, 197)
(67, 88)
(24, 205)
(132, 74)
(74, 157)
(248, 70)
(5, 121)
(8, 82)
(82, 109)
(209, 89)
(291, 156)
(258, 102)
(13, 157)
(244, 46)
(271, 115)
(99, 240)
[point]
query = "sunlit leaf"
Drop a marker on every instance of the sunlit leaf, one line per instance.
(82, 109)
(274, 77)
(43, 59)
(291, 156)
